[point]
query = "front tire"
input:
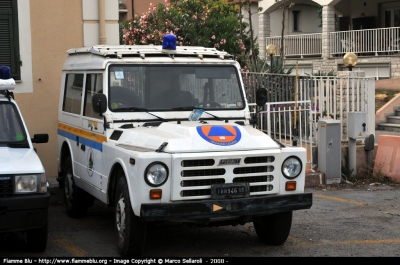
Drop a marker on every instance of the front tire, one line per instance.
(274, 229)
(130, 231)
(76, 200)
(37, 239)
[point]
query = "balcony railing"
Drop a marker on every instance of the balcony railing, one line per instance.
(298, 45)
(382, 41)
(369, 42)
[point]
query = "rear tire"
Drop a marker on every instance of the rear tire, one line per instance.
(130, 231)
(37, 239)
(76, 200)
(274, 229)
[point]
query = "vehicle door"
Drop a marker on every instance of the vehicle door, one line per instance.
(90, 152)
(71, 117)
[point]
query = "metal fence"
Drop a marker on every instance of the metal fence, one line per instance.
(295, 104)
(298, 45)
(382, 41)
(290, 123)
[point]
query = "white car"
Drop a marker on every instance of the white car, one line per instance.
(163, 133)
(24, 198)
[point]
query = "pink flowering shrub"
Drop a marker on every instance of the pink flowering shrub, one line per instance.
(207, 23)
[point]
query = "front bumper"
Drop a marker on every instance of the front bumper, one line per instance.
(240, 207)
(20, 213)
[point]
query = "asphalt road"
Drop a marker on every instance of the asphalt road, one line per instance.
(344, 221)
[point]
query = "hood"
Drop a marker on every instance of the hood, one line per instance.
(19, 161)
(197, 137)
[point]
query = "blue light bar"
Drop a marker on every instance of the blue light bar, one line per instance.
(5, 72)
(169, 42)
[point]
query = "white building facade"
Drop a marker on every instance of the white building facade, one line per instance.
(318, 33)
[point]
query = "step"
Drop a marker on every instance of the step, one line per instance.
(393, 119)
(397, 112)
(390, 127)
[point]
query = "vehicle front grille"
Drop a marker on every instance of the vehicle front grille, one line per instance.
(201, 182)
(268, 178)
(6, 186)
(198, 163)
(194, 193)
(196, 175)
(203, 172)
(249, 170)
(259, 159)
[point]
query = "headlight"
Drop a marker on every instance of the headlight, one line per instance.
(30, 183)
(156, 174)
(291, 167)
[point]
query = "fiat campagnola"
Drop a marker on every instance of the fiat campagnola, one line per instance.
(164, 134)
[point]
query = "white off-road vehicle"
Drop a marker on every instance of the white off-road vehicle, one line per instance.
(163, 133)
(24, 198)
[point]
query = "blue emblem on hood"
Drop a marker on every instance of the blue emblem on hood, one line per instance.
(223, 135)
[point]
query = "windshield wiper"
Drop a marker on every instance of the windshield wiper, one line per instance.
(192, 108)
(139, 109)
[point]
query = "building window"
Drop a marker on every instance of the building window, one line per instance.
(390, 16)
(296, 20)
(9, 39)
(377, 71)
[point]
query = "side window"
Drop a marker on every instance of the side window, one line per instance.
(73, 93)
(94, 85)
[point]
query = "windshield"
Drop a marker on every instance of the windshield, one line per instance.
(11, 128)
(174, 87)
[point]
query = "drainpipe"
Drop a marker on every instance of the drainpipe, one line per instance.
(102, 22)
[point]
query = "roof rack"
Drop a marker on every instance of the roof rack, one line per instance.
(119, 51)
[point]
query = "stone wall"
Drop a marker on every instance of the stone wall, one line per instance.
(388, 84)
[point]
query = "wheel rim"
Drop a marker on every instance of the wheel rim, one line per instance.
(120, 217)
(68, 187)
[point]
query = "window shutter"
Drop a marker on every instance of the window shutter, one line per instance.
(9, 40)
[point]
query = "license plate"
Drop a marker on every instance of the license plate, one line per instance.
(230, 190)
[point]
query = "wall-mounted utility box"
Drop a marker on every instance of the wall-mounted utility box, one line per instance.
(357, 124)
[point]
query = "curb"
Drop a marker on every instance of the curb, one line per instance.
(52, 182)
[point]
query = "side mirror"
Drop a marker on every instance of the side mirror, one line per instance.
(261, 96)
(40, 138)
(99, 103)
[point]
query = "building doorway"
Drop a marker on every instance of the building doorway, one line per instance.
(391, 14)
